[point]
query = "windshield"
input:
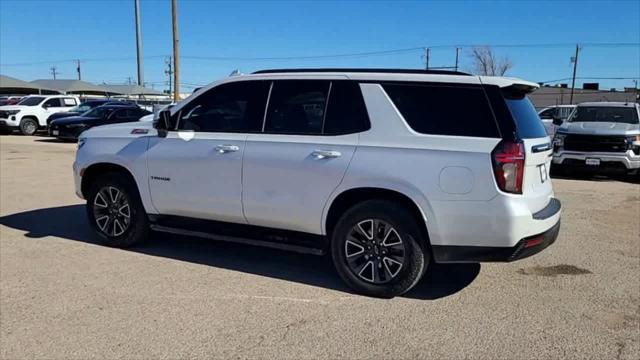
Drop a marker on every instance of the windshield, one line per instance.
(80, 108)
(31, 100)
(528, 123)
(98, 112)
(627, 115)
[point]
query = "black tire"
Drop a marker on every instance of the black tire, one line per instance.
(415, 257)
(128, 233)
(28, 126)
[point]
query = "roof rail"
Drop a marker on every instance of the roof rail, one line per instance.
(363, 70)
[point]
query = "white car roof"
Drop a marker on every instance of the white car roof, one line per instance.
(371, 75)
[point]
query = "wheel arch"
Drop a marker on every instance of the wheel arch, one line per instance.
(29, 116)
(91, 173)
(348, 198)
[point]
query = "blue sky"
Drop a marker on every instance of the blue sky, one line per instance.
(35, 35)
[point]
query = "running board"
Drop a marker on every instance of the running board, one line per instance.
(239, 240)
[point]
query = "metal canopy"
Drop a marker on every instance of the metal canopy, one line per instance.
(9, 85)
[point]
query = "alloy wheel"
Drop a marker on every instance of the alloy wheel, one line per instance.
(374, 251)
(111, 211)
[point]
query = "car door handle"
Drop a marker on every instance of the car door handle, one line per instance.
(325, 154)
(223, 149)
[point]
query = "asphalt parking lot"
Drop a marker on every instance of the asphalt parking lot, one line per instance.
(63, 296)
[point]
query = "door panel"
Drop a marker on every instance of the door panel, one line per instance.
(288, 178)
(198, 177)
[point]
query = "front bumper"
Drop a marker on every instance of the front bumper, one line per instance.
(524, 248)
(8, 124)
(65, 133)
(77, 180)
(629, 160)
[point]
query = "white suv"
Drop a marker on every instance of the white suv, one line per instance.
(31, 113)
(386, 170)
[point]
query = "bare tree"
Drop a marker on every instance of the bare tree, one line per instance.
(485, 62)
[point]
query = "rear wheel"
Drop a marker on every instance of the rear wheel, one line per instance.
(28, 126)
(115, 211)
(376, 249)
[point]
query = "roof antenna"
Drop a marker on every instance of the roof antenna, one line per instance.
(235, 72)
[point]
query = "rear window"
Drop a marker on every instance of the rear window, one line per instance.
(627, 115)
(528, 123)
(444, 110)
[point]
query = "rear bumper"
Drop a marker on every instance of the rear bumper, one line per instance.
(523, 249)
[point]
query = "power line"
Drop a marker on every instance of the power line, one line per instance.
(346, 55)
(591, 78)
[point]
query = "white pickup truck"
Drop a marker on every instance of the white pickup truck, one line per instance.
(31, 113)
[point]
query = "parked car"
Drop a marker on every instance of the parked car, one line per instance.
(31, 113)
(84, 107)
(560, 112)
(600, 136)
(384, 169)
(10, 100)
(69, 128)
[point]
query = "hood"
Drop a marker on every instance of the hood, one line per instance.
(63, 114)
(128, 130)
(13, 107)
(599, 128)
(75, 120)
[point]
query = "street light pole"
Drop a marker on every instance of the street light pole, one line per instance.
(176, 60)
(139, 43)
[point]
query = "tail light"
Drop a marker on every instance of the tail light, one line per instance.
(508, 166)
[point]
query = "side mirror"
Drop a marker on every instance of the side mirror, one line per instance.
(163, 123)
(46, 106)
(557, 120)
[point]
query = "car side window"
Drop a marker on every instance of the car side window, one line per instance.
(457, 110)
(69, 102)
(120, 114)
(547, 114)
(297, 107)
(231, 107)
(346, 112)
(55, 102)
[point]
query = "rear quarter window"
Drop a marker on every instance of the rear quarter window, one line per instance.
(444, 110)
(527, 121)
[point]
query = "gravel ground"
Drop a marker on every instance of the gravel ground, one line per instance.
(64, 296)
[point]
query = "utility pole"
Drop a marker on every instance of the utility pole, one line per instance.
(176, 59)
(457, 56)
(139, 43)
(78, 69)
(54, 71)
(169, 71)
(573, 79)
(427, 50)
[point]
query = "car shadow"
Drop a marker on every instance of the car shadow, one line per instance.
(69, 222)
(55, 140)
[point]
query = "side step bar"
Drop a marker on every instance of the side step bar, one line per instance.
(240, 240)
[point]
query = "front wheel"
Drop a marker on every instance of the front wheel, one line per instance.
(115, 211)
(376, 249)
(28, 126)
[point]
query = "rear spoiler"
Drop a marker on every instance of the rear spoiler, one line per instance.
(510, 85)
